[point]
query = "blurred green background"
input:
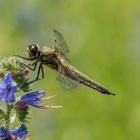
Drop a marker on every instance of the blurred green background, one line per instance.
(103, 37)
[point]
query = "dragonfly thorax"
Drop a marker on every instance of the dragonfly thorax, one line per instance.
(47, 51)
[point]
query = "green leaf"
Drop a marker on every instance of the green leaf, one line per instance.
(22, 110)
(2, 113)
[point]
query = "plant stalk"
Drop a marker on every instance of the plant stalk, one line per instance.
(7, 116)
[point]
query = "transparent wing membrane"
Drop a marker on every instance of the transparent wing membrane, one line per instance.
(66, 82)
(60, 43)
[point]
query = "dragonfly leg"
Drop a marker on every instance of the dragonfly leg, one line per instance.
(30, 59)
(37, 78)
(42, 71)
(33, 64)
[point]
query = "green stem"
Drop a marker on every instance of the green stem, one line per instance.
(7, 116)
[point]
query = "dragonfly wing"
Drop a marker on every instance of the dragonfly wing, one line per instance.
(60, 43)
(66, 82)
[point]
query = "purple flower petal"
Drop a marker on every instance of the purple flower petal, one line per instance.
(2, 85)
(10, 98)
(7, 89)
(3, 90)
(32, 96)
(35, 99)
(20, 131)
(2, 94)
(8, 79)
(4, 134)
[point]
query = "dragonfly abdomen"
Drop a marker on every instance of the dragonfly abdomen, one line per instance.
(76, 75)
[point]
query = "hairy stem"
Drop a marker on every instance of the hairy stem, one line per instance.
(7, 116)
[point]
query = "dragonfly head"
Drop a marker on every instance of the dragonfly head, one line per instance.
(33, 51)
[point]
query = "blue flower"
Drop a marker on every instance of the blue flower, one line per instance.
(20, 133)
(4, 134)
(35, 99)
(7, 89)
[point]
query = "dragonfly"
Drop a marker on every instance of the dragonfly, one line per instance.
(56, 58)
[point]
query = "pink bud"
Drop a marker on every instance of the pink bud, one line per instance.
(1, 74)
(21, 105)
(25, 72)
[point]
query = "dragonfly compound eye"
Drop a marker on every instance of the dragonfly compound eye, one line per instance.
(32, 50)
